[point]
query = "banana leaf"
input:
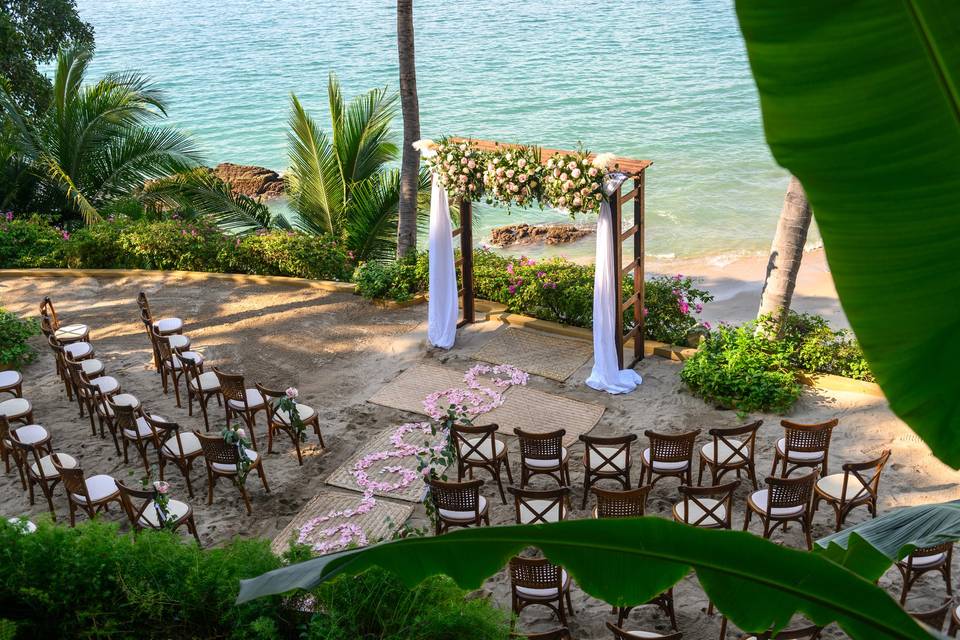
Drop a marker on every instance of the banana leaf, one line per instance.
(756, 583)
(861, 102)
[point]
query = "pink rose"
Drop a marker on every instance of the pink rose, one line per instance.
(471, 164)
(575, 173)
(577, 201)
(241, 433)
(510, 173)
(161, 486)
(592, 172)
(521, 163)
(292, 393)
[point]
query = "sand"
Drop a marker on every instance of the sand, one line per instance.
(339, 350)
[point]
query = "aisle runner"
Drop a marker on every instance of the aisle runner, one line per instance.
(545, 355)
(377, 524)
(407, 391)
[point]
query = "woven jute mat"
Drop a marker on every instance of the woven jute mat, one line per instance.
(545, 355)
(538, 412)
(378, 524)
(408, 390)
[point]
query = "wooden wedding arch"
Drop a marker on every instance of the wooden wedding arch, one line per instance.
(626, 173)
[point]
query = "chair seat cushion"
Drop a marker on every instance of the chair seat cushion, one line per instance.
(254, 400)
(536, 463)
(106, 384)
(305, 414)
(545, 594)
(601, 465)
(10, 379)
(192, 356)
(644, 634)
(178, 341)
(697, 512)
(207, 381)
(71, 332)
(485, 451)
(680, 465)
(926, 561)
(171, 325)
(15, 407)
(123, 399)
(189, 440)
(150, 519)
(725, 453)
(31, 434)
(832, 486)
(760, 498)
(77, 350)
(99, 487)
(50, 471)
(91, 368)
(449, 514)
(219, 466)
(144, 430)
(799, 456)
(530, 508)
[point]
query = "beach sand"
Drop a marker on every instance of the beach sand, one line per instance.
(339, 350)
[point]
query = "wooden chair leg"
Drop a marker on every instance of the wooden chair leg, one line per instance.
(263, 476)
(211, 478)
(246, 499)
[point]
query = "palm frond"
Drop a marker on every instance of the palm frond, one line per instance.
(23, 136)
(363, 141)
(315, 187)
(371, 227)
(142, 154)
(63, 180)
(72, 64)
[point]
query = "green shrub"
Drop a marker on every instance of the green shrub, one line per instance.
(376, 604)
(397, 280)
(672, 303)
(737, 368)
(28, 243)
(819, 349)
(15, 352)
(288, 253)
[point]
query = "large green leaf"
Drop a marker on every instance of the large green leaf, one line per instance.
(756, 583)
(860, 101)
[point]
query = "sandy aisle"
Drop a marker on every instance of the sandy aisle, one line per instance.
(339, 350)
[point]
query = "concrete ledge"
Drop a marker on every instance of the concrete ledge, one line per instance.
(830, 382)
(383, 303)
(244, 278)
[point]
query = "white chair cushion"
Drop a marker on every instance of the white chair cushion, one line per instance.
(544, 594)
(106, 384)
(527, 514)
(168, 324)
(305, 413)
(760, 499)
(617, 461)
(725, 452)
(232, 467)
(78, 350)
(10, 378)
(487, 450)
(665, 466)
(99, 487)
(696, 512)
(644, 634)
(189, 440)
(50, 471)
(31, 434)
(832, 485)
(178, 341)
(926, 561)
(208, 381)
(144, 430)
(449, 514)
(176, 509)
(192, 356)
(15, 407)
(546, 464)
(801, 456)
(71, 332)
(124, 400)
(91, 368)
(254, 400)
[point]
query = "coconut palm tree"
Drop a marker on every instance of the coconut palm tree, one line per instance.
(96, 142)
(341, 184)
(410, 105)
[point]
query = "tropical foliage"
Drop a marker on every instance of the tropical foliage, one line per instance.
(15, 352)
(95, 143)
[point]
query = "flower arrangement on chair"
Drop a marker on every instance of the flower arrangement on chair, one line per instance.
(458, 165)
(161, 501)
(572, 182)
(238, 438)
(512, 176)
(288, 403)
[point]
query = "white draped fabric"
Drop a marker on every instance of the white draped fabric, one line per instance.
(442, 306)
(606, 374)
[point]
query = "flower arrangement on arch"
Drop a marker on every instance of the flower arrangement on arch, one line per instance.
(513, 176)
(238, 438)
(573, 183)
(458, 165)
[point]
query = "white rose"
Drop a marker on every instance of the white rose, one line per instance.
(564, 177)
(575, 173)
(521, 163)
(471, 164)
(571, 165)
(510, 173)
(449, 157)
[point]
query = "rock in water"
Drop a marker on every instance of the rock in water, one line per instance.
(528, 234)
(255, 182)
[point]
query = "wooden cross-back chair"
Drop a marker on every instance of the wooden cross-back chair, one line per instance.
(172, 362)
(784, 500)
(65, 333)
(11, 381)
(90, 366)
(138, 504)
(458, 504)
(707, 507)
(175, 446)
(926, 560)
(622, 634)
(803, 445)
(535, 506)
(240, 401)
(479, 447)
(537, 581)
(543, 454)
(30, 434)
(731, 449)
(221, 461)
(90, 495)
(631, 503)
(201, 386)
(606, 458)
(36, 462)
(279, 419)
(669, 455)
(859, 484)
(134, 429)
(933, 618)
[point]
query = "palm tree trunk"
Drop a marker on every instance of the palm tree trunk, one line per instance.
(786, 254)
(409, 104)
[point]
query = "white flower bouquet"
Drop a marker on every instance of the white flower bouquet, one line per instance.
(572, 182)
(459, 165)
(512, 176)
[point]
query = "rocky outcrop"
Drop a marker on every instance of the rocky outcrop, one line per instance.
(529, 234)
(255, 182)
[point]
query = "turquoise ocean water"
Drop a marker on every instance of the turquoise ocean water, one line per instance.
(667, 80)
